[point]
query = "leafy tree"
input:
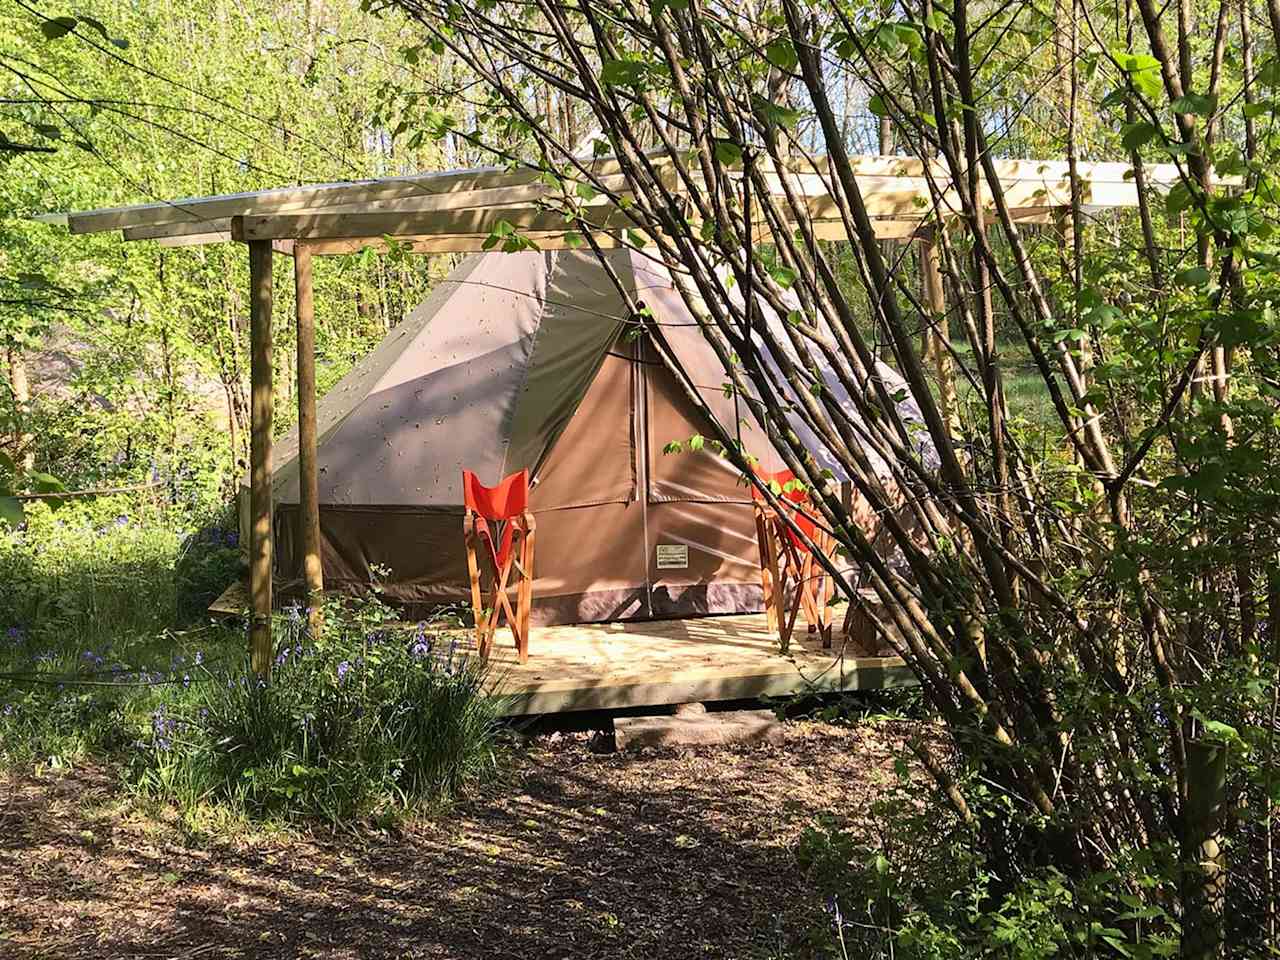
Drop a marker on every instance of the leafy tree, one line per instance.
(1091, 605)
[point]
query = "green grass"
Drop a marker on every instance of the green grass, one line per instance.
(103, 656)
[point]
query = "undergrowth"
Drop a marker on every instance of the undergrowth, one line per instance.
(368, 717)
(104, 655)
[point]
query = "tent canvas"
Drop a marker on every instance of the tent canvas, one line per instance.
(531, 360)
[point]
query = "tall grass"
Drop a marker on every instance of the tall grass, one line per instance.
(370, 716)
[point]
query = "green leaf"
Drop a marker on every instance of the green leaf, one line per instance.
(1195, 277)
(784, 276)
(1134, 135)
(1221, 731)
(876, 106)
(1142, 71)
(1179, 199)
(774, 113)
(56, 27)
(11, 511)
(781, 53)
(1202, 105)
(621, 73)
(728, 152)
(1269, 75)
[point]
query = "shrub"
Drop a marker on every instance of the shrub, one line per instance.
(369, 716)
(923, 889)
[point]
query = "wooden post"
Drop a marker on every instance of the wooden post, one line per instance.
(308, 482)
(260, 652)
(937, 333)
(1205, 876)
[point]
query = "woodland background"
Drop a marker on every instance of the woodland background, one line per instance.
(1096, 619)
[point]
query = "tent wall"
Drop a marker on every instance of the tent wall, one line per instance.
(624, 530)
(520, 360)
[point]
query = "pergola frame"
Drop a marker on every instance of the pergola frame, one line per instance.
(473, 210)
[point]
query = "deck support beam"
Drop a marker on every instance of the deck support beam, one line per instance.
(260, 506)
(308, 480)
(937, 332)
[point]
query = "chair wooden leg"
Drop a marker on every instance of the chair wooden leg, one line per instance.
(502, 604)
(525, 605)
(477, 598)
(768, 570)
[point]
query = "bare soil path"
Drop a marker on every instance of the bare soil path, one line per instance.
(574, 855)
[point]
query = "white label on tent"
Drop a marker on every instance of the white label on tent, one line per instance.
(673, 556)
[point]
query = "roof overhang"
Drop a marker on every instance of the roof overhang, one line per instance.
(461, 210)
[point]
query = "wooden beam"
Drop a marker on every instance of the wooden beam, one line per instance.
(493, 198)
(317, 196)
(260, 506)
(431, 223)
(308, 483)
(937, 332)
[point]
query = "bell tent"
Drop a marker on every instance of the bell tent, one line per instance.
(533, 360)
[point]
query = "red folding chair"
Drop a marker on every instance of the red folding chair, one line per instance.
(792, 577)
(499, 516)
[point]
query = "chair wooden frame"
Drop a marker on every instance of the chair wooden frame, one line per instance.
(792, 578)
(489, 609)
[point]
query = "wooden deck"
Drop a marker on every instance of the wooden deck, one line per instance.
(607, 666)
(610, 666)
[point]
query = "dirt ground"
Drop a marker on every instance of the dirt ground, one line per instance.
(575, 854)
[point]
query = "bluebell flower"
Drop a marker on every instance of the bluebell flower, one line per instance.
(232, 539)
(199, 657)
(343, 668)
(162, 727)
(122, 521)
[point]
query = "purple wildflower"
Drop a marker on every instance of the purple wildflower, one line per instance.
(122, 521)
(232, 539)
(162, 728)
(421, 643)
(343, 669)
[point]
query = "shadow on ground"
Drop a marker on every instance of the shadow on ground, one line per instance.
(576, 854)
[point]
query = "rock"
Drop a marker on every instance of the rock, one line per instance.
(693, 729)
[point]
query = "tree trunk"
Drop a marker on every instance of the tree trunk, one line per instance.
(23, 442)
